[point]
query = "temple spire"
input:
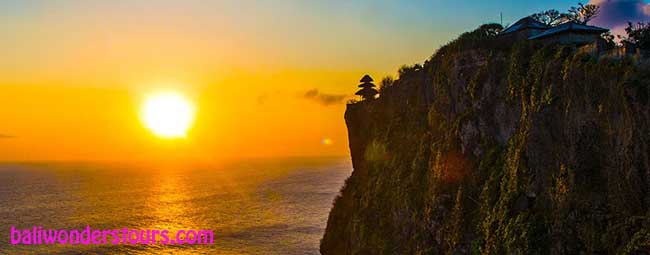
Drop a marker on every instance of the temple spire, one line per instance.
(367, 91)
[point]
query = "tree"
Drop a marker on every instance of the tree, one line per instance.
(489, 30)
(407, 70)
(638, 34)
(609, 39)
(551, 17)
(386, 83)
(583, 13)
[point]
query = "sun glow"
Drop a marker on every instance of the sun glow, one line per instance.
(168, 114)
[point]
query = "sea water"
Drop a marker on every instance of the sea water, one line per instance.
(271, 206)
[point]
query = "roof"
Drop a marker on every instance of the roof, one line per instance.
(570, 27)
(367, 92)
(524, 23)
(366, 78)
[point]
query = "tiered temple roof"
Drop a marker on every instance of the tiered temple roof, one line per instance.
(367, 90)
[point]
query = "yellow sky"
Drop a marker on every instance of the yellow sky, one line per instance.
(74, 74)
(45, 122)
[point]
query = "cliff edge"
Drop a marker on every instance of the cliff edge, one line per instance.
(496, 146)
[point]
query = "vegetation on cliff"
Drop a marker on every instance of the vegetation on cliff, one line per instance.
(500, 147)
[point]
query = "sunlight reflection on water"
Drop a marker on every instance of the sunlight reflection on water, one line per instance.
(260, 207)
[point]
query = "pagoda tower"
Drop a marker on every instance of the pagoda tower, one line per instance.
(367, 91)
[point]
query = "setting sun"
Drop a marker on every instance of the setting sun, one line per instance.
(168, 114)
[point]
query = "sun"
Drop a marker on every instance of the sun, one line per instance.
(168, 114)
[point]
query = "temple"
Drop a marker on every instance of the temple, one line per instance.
(367, 91)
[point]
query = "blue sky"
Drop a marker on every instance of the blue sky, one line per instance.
(379, 35)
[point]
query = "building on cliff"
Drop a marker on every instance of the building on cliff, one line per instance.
(566, 33)
(571, 33)
(524, 28)
(367, 91)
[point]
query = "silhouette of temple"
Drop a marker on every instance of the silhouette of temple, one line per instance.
(367, 91)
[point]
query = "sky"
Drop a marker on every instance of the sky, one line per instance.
(268, 78)
(615, 14)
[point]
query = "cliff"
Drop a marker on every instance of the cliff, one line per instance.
(499, 147)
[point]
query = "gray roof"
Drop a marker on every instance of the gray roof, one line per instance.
(524, 23)
(570, 27)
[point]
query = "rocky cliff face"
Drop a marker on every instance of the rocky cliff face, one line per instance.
(500, 147)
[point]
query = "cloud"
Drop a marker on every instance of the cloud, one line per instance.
(615, 14)
(5, 136)
(324, 98)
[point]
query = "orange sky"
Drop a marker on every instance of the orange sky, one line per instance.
(73, 78)
(73, 74)
(103, 123)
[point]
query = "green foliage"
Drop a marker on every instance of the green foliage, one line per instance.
(477, 81)
(638, 35)
(640, 242)
(518, 69)
(550, 17)
(375, 152)
(406, 70)
(610, 40)
(583, 13)
(484, 37)
(386, 83)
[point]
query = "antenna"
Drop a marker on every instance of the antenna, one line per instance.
(501, 14)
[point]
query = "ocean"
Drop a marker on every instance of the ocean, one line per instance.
(270, 206)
